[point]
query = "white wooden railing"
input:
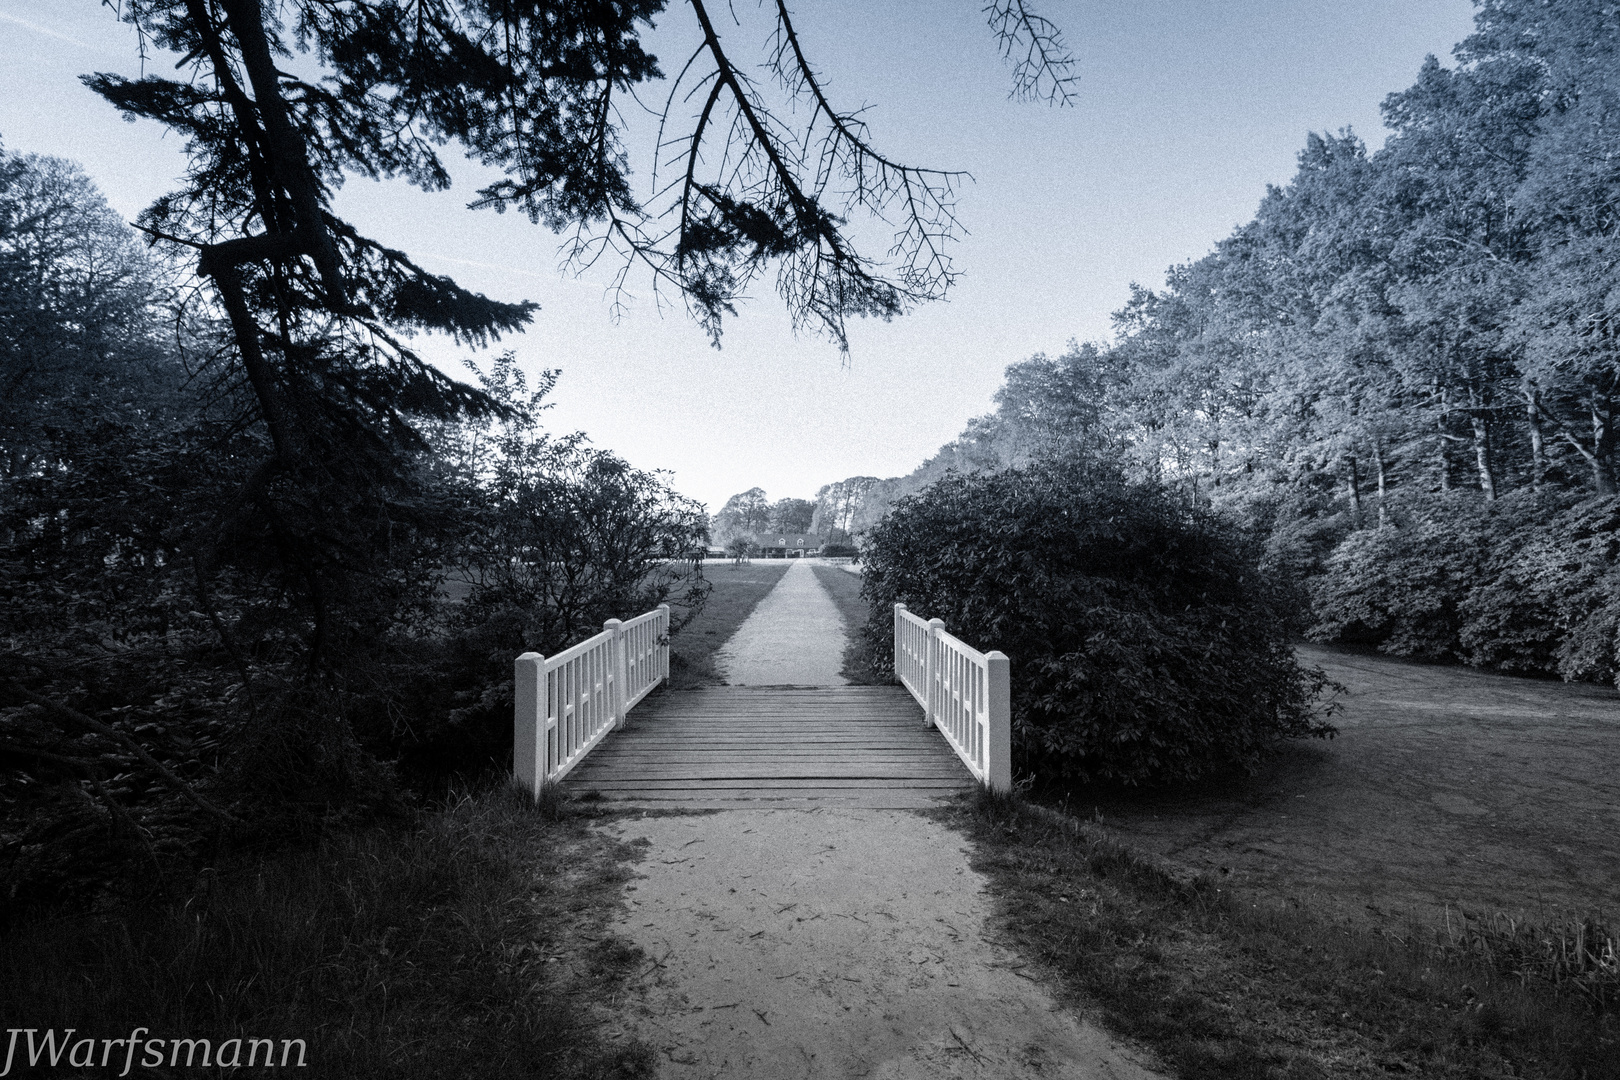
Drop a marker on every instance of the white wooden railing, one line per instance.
(964, 692)
(567, 703)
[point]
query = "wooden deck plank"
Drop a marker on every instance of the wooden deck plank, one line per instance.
(791, 747)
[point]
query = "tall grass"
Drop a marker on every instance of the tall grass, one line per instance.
(1224, 986)
(452, 949)
(1576, 955)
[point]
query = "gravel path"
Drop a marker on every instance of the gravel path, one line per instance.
(833, 944)
(794, 637)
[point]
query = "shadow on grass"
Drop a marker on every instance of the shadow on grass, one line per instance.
(1223, 986)
(471, 945)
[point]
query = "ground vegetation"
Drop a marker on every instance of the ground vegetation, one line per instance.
(468, 942)
(1218, 983)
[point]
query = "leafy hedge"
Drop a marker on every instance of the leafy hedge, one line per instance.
(1144, 645)
(1521, 585)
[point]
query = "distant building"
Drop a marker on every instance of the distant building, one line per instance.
(780, 545)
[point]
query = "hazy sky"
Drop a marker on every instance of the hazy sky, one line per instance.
(1186, 109)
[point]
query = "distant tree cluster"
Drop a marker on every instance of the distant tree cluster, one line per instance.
(750, 512)
(1404, 371)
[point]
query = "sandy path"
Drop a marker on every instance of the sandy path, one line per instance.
(834, 944)
(794, 637)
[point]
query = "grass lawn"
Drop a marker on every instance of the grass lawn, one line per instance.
(845, 590)
(1445, 787)
(736, 591)
(470, 945)
(1223, 985)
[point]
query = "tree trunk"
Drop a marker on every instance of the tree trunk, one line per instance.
(1378, 465)
(1602, 456)
(1482, 456)
(1538, 446)
(1441, 458)
(1355, 491)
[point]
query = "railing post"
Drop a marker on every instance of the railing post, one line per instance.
(663, 642)
(618, 667)
(998, 748)
(931, 671)
(529, 721)
(899, 621)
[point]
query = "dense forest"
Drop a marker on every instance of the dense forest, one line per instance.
(1403, 373)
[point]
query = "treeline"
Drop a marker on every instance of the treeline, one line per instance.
(205, 647)
(1403, 372)
(749, 512)
(835, 513)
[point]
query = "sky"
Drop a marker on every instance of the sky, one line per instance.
(1185, 111)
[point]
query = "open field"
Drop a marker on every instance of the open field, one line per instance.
(737, 590)
(1446, 786)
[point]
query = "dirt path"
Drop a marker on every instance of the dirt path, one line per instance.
(794, 637)
(830, 943)
(1446, 786)
(835, 944)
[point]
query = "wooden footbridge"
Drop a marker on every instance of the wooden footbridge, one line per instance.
(943, 729)
(734, 746)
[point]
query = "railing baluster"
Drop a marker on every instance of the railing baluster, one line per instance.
(566, 704)
(963, 692)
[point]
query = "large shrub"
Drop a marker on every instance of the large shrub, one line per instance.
(1144, 645)
(1526, 584)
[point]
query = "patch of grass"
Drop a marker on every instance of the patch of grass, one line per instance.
(1222, 986)
(467, 946)
(845, 590)
(737, 590)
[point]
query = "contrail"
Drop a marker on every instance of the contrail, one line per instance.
(487, 266)
(38, 29)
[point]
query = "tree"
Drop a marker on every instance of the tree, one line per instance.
(792, 515)
(79, 310)
(285, 99)
(747, 511)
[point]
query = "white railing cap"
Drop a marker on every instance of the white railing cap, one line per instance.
(957, 644)
(575, 651)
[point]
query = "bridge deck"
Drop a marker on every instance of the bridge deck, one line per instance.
(728, 747)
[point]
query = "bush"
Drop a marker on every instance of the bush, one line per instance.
(1402, 589)
(1525, 584)
(840, 551)
(1145, 647)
